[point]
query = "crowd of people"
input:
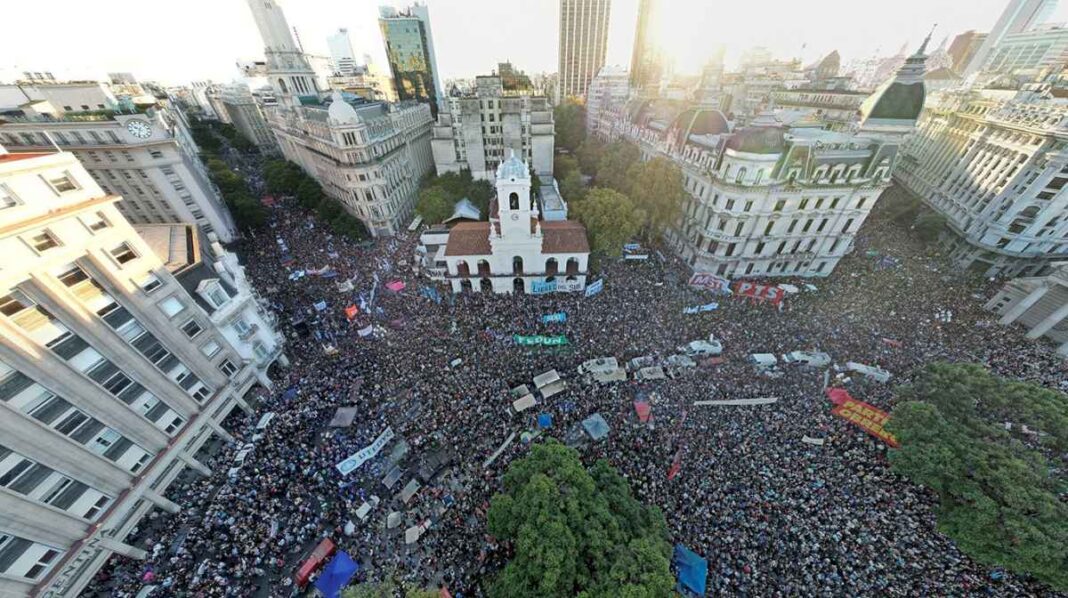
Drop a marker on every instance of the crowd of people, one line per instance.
(773, 515)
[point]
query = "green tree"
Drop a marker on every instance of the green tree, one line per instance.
(309, 193)
(387, 589)
(576, 532)
(572, 187)
(564, 165)
(480, 193)
(570, 125)
(589, 155)
(657, 186)
(999, 497)
(611, 218)
(929, 225)
(283, 177)
(614, 165)
(435, 204)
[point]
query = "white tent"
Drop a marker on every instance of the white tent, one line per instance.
(520, 405)
(550, 389)
(546, 378)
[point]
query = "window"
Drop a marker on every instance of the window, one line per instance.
(96, 222)
(7, 198)
(63, 183)
(202, 394)
(191, 328)
(228, 368)
(218, 296)
(149, 283)
(780, 204)
(260, 351)
(43, 241)
(210, 349)
(241, 327)
(171, 306)
(123, 253)
(72, 275)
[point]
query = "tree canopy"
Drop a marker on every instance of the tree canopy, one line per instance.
(435, 204)
(570, 125)
(386, 589)
(612, 219)
(438, 195)
(576, 532)
(286, 178)
(615, 163)
(656, 186)
(999, 495)
(589, 155)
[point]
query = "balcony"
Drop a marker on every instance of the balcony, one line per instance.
(249, 332)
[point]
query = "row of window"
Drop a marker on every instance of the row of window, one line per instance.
(20, 557)
(43, 484)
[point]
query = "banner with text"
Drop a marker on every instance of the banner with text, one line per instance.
(868, 418)
(696, 309)
(710, 282)
(759, 292)
(547, 341)
(562, 286)
(559, 316)
(363, 455)
(594, 288)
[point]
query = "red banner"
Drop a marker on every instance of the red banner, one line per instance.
(759, 292)
(676, 465)
(838, 395)
(351, 311)
(868, 418)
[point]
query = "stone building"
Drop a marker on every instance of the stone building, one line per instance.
(143, 153)
(477, 130)
(994, 163)
(583, 44)
(607, 93)
(245, 114)
(1039, 303)
(116, 366)
(518, 250)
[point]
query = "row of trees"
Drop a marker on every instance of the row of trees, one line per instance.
(286, 178)
(1001, 499)
(576, 531)
(438, 195)
(248, 212)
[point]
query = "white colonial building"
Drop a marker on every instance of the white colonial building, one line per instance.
(121, 352)
(517, 250)
(368, 156)
(994, 163)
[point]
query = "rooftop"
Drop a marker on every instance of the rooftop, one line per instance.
(176, 245)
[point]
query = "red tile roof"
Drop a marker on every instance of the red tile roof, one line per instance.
(469, 238)
(564, 236)
(25, 156)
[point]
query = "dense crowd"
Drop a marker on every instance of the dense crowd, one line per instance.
(773, 515)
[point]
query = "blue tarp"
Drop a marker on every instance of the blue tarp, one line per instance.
(290, 394)
(595, 426)
(693, 571)
(336, 575)
(545, 420)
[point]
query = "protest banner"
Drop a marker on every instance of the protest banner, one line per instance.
(542, 288)
(351, 311)
(556, 317)
(432, 294)
(396, 286)
(759, 292)
(366, 331)
(555, 286)
(810, 440)
(320, 306)
(739, 402)
(868, 418)
(344, 287)
(700, 308)
(710, 282)
(539, 340)
(594, 288)
(363, 455)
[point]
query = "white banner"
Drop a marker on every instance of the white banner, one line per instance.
(811, 440)
(363, 455)
(740, 402)
(366, 331)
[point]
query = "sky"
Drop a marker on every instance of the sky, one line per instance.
(178, 42)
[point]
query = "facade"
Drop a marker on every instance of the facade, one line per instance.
(116, 366)
(837, 108)
(368, 156)
(410, 52)
(1019, 16)
(994, 164)
(771, 199)
(608, 91)
(480, 128)
(1029, 50)
(583, 43)
(963, 48)
(342, 57)
(367, 82)
(645, 59)
(147, 157)
(245, 114)
(1038, 303)
(517, 250)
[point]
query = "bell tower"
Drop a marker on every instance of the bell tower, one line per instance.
(515, 207)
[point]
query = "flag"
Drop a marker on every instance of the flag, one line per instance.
(351, 311)
(676, 465)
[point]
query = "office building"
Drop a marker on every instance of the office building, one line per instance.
(245, 114)
(1033, 50)
(994, 163)
(646, 67)
(1019, 16)
(481, 128)
(142, 153)
(410, 53)
(583, 43)
(963, 48)
(608, 91)
(342, 58)
(117, 364)
(369, 156)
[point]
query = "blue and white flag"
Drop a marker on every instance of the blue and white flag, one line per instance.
(594, 288)
(557, 317)
(700, 308)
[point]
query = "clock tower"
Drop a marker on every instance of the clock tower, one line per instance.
(516, 209)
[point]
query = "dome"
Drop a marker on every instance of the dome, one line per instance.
(341, 112)
(513, 168)
(699, 121)
(895, 101)
(758, 140)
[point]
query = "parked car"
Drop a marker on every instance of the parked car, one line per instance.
(702, 348)
(763, 361)
(869, 371)
(601, 365)
(816, 359)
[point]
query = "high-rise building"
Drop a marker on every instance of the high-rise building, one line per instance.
(480, 129)
(994, 164)
(1019, 16)
(410, 53)
(607, 92)
(645, 59)
(342, 57)
(368, 155)
(1034, 50)
(964, 47)
(245, 114)
(143, 153)
(121, 352)
(583, 43)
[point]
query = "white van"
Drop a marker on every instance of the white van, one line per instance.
(814, 359)
(763, 361)
(869, 371)
(601, 365)
(261, 426)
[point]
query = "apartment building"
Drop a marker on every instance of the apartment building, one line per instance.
(120, 354)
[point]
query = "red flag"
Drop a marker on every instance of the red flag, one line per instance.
(351, 311)
(676, 465)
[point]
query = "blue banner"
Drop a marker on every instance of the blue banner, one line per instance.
(700, 308)
(594, 288)
(542, 288)
(432, 294)
(557, 317)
